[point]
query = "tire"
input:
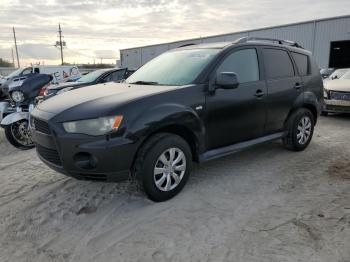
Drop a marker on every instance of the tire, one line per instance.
(293, 140)
(324, 113)
(149, 162)
(13, 141)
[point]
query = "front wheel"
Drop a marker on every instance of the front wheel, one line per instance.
(163, 166)
(18, 134)
(300, 129)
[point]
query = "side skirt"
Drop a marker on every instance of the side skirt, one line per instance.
(227, 150)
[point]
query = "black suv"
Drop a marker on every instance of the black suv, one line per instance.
(196, 103)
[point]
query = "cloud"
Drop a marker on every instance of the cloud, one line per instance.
(99, 28)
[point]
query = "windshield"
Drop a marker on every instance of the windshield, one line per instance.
(15, 73)
(174, 68)
(90, 77)
(346, 75)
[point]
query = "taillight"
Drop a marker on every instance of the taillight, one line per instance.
(42, 91)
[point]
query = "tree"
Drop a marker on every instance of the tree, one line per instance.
(4, 63)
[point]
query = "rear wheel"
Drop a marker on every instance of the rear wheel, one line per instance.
(300, 129)
(163, 166)
(18, 134)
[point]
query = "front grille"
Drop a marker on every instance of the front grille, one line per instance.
(41, 126)
(345, 96)
(50, 155)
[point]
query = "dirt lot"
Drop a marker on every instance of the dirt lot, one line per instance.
(263, 204)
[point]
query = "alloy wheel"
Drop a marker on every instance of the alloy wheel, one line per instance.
(21, 133)
(169, 169)
(304, 130)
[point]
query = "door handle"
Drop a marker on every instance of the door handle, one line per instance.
(298, 85)
(259, 93)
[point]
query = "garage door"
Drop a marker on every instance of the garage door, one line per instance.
(340, 54)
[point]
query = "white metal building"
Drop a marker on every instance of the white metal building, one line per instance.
(328, 39)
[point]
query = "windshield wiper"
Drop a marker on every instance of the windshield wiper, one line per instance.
(144, 83)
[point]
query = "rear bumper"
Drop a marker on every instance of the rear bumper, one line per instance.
(84, 157)
(336, 106)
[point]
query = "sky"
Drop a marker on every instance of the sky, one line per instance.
(95, 30)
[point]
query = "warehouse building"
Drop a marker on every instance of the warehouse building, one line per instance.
(328, 39)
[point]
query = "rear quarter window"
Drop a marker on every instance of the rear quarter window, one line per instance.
(302, 62)
(277, 63)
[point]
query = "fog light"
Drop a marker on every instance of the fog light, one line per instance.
(85, 161)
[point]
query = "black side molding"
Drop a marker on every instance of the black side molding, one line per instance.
(223, 151)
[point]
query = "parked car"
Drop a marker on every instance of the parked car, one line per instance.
(326, 72)
(196, 103)
(93, 78)
(338, 73)
(337, 95)
(59, 73)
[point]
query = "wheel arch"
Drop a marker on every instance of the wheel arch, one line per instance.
(306, 100)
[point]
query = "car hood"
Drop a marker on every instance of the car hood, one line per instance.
(68, 84)
(342, 85)
(97, 100)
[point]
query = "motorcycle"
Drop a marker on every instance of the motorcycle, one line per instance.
(23, 94)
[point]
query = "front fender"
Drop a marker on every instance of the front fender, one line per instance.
(14, 117)
(4, 106)
(161, 116)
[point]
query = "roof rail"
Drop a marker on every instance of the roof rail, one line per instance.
(279, 41)
(186, 45)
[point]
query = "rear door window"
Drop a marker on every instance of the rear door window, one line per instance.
(244, 63)
(277, 63)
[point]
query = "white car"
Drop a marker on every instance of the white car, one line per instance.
(59, 73)
(337, 74)
(337, 95)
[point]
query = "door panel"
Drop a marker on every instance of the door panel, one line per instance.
(281, 95)
(237, 115)
(283, 84)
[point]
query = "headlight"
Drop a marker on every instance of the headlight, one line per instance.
(325, 94)
(17, 96)
(64, 90)
(94, 127)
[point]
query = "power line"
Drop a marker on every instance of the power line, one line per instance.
(89, 56)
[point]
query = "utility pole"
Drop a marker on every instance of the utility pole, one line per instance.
(61, 44)
(14, 37)
(13, 58)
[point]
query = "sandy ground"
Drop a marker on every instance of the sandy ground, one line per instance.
(263, 204)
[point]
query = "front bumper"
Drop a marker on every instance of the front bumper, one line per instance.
(83, 157)
(336, 106)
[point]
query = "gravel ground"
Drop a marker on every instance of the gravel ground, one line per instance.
(263, 204)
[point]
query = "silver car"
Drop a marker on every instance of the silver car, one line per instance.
(337, 95)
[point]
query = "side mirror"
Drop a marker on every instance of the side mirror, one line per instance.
(227, 80)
